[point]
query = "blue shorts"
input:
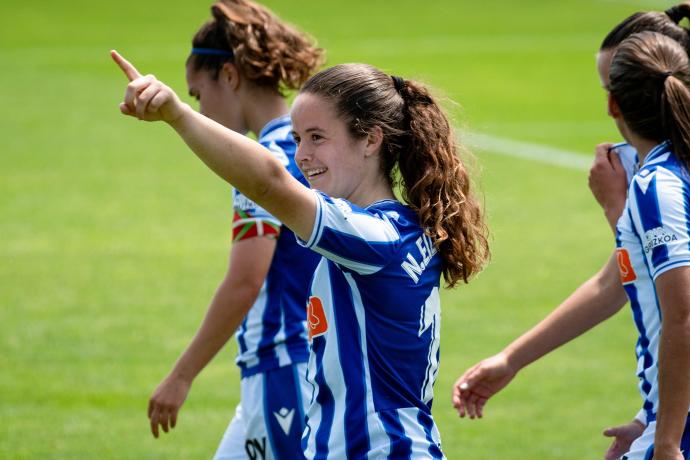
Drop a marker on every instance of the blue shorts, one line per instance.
(269, 421)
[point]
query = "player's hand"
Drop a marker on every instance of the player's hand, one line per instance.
(608, 182)
(146, 98)
(165, 403)
(623, 436)
(479, 383)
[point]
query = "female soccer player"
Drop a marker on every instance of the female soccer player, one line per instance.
(649, 99)
(374, 303)
(241, 60)
(609, 177)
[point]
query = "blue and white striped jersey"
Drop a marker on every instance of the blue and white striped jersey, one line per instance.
(273, 333)
(374, 322)
(653, 236)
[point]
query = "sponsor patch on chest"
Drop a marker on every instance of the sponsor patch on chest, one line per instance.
(657, 237)
(316, 317)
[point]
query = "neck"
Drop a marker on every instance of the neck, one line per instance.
(643, 146)
(263, 106)
(378, 191)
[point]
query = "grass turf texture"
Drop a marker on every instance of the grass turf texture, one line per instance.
(113, 236)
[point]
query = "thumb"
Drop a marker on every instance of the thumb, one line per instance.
(612, 432)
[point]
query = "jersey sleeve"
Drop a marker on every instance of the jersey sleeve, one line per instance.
(352, 237)
(250, 220)
(660, 207)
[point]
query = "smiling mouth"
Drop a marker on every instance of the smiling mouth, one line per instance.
(312, 173)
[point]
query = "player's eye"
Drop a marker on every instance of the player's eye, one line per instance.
(297, 139)
(316, 137)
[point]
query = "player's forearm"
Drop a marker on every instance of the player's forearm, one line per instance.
(244, 163)
(226, 312)
(674, 383)
(613, 212)
(596, 300)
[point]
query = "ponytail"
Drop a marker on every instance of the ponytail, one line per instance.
(650, 77)
(419, 152)
(267, 51)
(667, 23)
(676, 116)
(436, 184)
(679, 12)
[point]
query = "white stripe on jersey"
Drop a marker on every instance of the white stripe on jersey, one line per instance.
(414, 431)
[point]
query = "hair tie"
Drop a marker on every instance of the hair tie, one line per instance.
(213, 52)
(399, 84)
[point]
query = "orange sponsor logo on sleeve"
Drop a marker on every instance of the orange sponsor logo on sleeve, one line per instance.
(624, 266)
(316, 318)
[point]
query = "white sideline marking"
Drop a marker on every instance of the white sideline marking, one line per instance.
(527, 150)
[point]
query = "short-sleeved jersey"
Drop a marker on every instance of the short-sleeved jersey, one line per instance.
(273, 334)
(374, 322)
(652, 237)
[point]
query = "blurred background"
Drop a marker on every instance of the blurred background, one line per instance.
(113, 236)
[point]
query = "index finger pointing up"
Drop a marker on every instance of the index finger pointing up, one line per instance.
(130, 71)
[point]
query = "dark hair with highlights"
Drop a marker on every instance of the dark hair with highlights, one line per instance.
(666, 23)
(420, 152)
(650, 77)
(266, 50)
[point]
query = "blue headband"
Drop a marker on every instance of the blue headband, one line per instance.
(213, 52)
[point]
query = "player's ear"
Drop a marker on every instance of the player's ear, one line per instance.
(230, 74)
(613, 110)
(374, 140)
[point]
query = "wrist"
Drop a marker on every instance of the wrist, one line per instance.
(180, 116)
(512, 359)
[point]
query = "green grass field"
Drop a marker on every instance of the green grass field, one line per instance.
(113, 236)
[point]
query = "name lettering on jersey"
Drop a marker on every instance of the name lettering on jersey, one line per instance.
(316, 317)
(243, 203)
(656, 237)
(625, 268)
(255, 448)
(415, 266)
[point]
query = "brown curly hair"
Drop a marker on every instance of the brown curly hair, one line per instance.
(266, 50)
(419, 152)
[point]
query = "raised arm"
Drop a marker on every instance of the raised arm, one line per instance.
(593, 302)
(244, 163)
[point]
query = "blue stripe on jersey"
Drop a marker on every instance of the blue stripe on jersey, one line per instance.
(271, 322)
(401, 445)
(643, 344)
(646, 264)
(282, 395)
(427, 422)
(356, 430)
(686, 193)
(650, 217)
(325, 399)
